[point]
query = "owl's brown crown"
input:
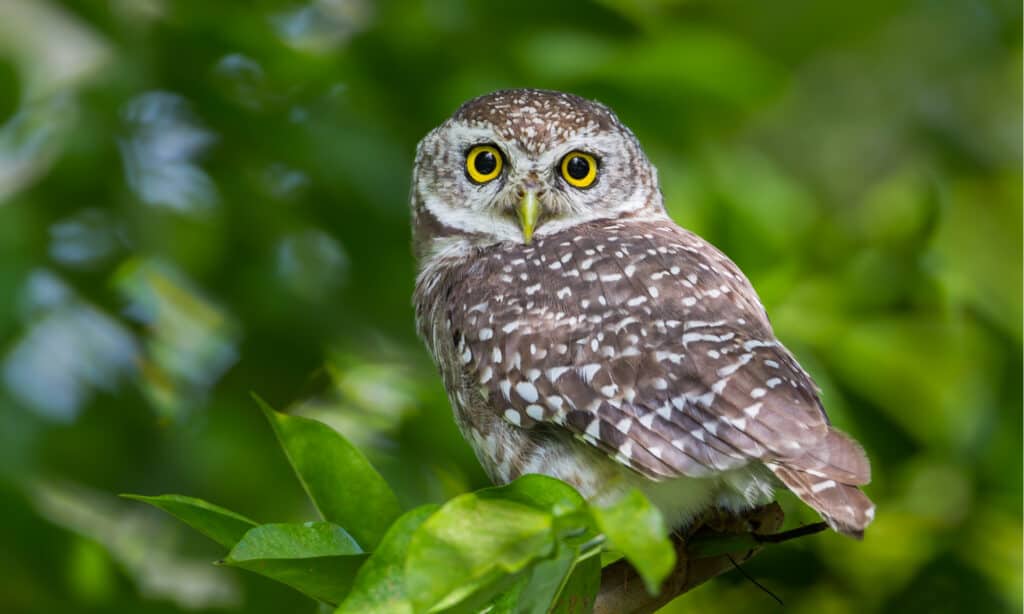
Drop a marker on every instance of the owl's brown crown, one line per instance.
(539, 113)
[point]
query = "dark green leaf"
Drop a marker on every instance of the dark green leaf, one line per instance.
(558, 584)
(545, 582)
(469, 544)
(635, 528)
(580, 590)
(380, 585)
(343, 485)
(318, 558)
(222, 526)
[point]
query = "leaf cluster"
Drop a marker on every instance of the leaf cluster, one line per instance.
(532, 546)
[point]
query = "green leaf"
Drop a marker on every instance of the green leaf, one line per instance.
(539, 492)
(344, 486)
(545, 583)
(573, 523)
(379, 587)
(318, 558)
(222, 526)
(635, 528)
(580, 590)
(472, 543)
(564, 583)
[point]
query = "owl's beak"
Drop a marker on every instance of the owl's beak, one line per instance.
(529, 211)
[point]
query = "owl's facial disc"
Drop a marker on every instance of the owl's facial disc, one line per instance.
(517, 165)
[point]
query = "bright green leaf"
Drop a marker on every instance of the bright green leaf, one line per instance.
(380, 585)
(470, 543)
(539, 492)
(318, 558)
(635, 528)
(343, 485)
(222, 526)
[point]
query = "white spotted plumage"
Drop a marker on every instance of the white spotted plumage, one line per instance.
(643, 349)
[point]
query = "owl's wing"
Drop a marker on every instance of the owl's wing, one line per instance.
(650, 345)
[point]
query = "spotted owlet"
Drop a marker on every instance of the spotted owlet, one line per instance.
(582, 334)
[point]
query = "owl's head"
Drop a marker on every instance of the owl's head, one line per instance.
(519, 164)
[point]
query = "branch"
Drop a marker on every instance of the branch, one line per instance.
(707, 551)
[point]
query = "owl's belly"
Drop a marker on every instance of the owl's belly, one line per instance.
(507, 452)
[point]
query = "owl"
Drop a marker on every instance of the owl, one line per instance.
(582, 334)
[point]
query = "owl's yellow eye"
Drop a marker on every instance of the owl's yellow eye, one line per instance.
(483, 163)
(579, 169)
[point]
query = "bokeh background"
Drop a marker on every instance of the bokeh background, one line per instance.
(200, 200)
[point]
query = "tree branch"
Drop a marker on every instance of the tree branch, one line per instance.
(702, 554)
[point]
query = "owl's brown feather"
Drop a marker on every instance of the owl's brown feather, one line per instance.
(644, 341)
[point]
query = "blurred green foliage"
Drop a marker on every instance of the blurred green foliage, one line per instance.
(203, 199)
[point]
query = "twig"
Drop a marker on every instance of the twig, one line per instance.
(622, 591)
(785, 536)
(753, 580)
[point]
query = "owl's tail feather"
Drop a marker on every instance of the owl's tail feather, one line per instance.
(826, 479)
